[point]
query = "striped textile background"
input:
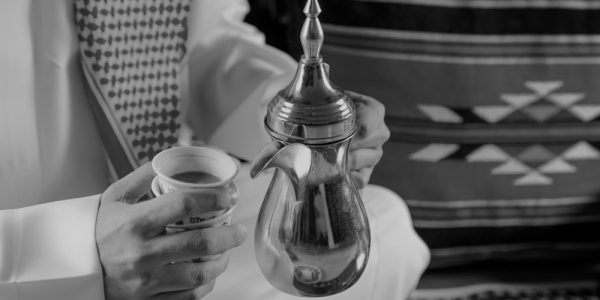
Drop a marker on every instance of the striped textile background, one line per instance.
(494, 108)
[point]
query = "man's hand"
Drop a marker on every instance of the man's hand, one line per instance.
(137, 256)
(366, 146)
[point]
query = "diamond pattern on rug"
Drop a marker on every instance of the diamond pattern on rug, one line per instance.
(557, 166)
(435, 152)
(536, 153)
(543, 88)
(543, 103)
(488, 153)
(565, 100)
(541, 112)
(581, 151)
(586, 112)
(532, 164)
(534, 178)
(441, 114)
(493, 114)
(511, 167)
(519, 101)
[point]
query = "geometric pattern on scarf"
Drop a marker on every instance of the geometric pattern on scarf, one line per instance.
(131, 53)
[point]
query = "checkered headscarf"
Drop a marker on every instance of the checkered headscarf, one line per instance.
(131, 53)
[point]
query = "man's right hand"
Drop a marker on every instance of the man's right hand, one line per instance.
(137, 256)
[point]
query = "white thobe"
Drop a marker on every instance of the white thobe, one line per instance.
(50, 150)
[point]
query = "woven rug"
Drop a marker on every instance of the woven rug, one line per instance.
(506, 291)
(511, 280)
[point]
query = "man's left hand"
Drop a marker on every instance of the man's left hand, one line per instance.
(366, 146)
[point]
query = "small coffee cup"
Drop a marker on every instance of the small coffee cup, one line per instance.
(192, 169)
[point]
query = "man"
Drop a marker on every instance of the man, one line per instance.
(110, 246)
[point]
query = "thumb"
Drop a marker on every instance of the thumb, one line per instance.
(132, 187)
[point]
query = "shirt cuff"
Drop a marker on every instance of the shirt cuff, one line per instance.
(49, 251)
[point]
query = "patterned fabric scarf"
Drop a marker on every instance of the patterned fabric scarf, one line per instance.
(131, 53)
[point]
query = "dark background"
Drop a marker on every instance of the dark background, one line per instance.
(280, 21)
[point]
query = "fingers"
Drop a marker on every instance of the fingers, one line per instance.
(369, 112)
(194, 244)
(364, 158)
(372, 131)
(361, 177)
(372, 138)
(175, 206)
(362, 162)
(186, 276)
(132, 187)
(197, 293)
(366, 146)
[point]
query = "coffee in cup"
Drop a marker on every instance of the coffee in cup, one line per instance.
(192, 168)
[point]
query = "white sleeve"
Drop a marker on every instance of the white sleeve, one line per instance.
(232, 76)
(49, 252)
